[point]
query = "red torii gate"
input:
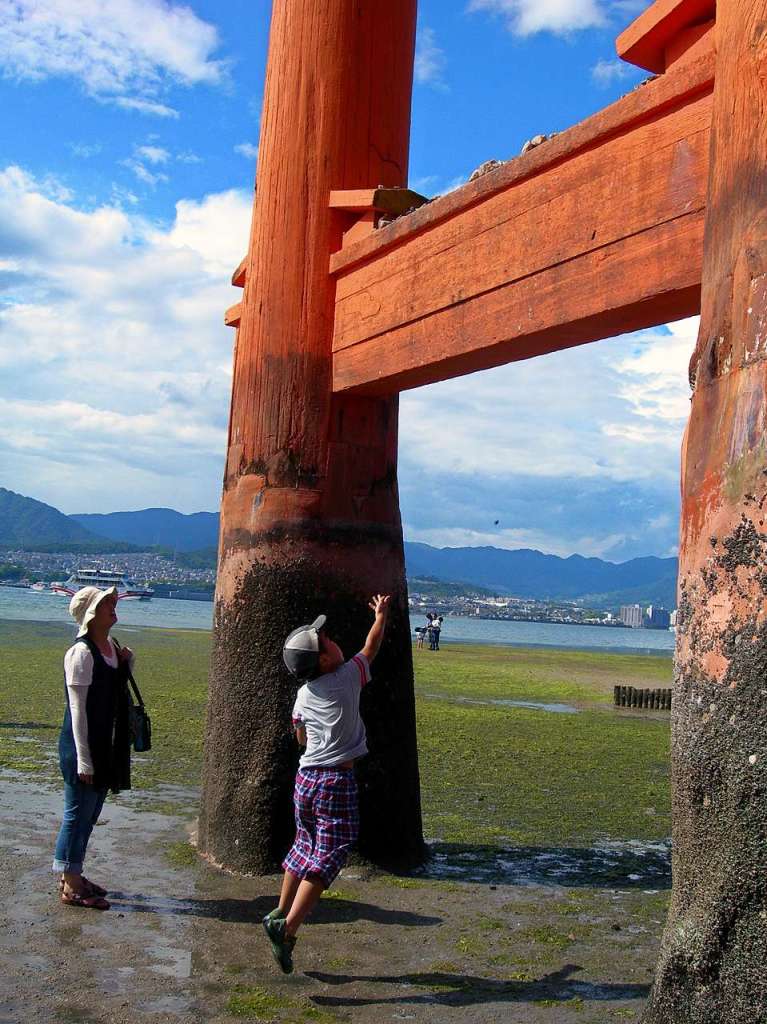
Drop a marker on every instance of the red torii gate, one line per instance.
(609, 227)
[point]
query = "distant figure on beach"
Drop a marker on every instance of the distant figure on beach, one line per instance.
(327, 723)
(436, 629)
(94, 744)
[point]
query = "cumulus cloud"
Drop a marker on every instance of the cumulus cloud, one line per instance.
(526, 17)
(120, 50)
(430, 59)
(591, 467)
(247, 149)
(114, 361)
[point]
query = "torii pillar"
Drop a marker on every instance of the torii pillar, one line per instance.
(713, 961)
(310, 519)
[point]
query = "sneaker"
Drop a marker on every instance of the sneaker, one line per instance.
(282, 944)
(275, 915)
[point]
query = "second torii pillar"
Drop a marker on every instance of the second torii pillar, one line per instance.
(310, 518)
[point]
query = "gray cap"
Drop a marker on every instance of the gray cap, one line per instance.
(301, 651)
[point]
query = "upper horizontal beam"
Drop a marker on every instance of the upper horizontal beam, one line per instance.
(597, 232)
(649, 40)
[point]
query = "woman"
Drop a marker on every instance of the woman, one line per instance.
(94, 745)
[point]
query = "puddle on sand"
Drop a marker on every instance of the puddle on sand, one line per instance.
(558, 709)
(629, 865)
(173, 962)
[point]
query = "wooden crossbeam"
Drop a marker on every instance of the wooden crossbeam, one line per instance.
(597, 232)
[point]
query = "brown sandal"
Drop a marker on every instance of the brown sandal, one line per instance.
(93, 889)
(77, 899)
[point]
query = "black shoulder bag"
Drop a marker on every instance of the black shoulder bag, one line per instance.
(139, 720)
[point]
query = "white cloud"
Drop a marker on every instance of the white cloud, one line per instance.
(605, 72)
(85, 151)
(153, 154)
(247, 149)
(527, 419)
(526, 17)
(430, 59)
(596, 546)
(115, 361)
(145, 106)
(121, 50)
(144, 174)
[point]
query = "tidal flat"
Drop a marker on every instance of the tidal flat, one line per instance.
(543, 899)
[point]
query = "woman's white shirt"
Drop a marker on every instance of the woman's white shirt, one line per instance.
(78, 673)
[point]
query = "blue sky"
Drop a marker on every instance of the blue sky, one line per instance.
(128, 145)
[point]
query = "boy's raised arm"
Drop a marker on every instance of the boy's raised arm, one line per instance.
(380, 607)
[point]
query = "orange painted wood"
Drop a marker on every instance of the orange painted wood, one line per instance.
(348, 133)
(690, 44)
(645, 41)
(639, 106)
(233, 315)
(513, 267)
(384, 200)
(655, 174)
(650, 278)
(240, 274)
(364, 225)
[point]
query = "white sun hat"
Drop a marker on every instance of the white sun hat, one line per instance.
(83, 605)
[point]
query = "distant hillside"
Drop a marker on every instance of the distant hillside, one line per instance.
(522, 573)
(153, 527)
(27, 523)
(527, 573)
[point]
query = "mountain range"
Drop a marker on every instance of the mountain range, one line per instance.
(25, 522)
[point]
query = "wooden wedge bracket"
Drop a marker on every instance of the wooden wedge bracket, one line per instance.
(366, 208)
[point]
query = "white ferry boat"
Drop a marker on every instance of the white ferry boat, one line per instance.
(102, 578)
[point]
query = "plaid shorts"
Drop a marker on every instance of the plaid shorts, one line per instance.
(327, 823)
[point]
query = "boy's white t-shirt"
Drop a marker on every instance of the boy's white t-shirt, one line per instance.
(329, 709)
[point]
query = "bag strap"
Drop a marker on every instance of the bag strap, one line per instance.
(134, 684)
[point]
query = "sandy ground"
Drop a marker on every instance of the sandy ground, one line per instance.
(520, 936)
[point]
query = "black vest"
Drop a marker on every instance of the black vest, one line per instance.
(107, 710)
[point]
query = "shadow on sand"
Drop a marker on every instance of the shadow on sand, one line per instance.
(329, 911)
(446, 989)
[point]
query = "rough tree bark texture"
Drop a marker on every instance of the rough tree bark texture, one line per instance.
(310, 517)
(714, 952)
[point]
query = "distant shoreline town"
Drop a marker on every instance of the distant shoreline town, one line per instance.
(169, 577)
(514, 609)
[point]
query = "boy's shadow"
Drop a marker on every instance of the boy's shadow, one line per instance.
(447, 989)
(239, 911)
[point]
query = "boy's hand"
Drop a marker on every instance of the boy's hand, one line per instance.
(380, 605)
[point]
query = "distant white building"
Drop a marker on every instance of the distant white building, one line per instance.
(632, 615)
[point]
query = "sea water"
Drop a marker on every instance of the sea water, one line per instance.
(44, 606)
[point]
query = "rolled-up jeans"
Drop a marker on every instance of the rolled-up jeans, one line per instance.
(82, 807)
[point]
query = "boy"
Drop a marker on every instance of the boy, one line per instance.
(327, 722)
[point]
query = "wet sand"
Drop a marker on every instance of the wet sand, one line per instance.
(528, 935)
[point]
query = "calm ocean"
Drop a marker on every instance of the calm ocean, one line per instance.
(170, 614)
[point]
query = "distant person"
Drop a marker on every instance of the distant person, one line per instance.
(436, 629)
(429, 627)
(94, 744)
(420, 632)
(326, 720)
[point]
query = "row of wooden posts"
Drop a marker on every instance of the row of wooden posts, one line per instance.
(630, 697)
